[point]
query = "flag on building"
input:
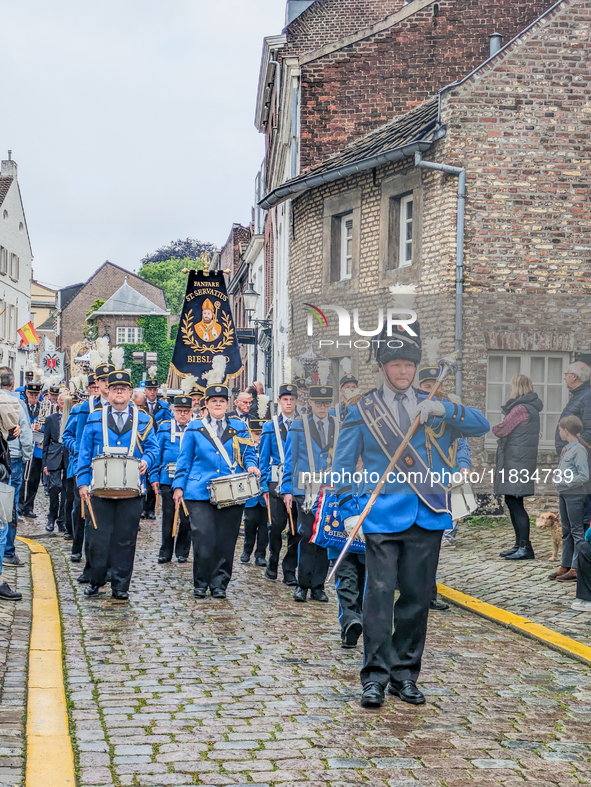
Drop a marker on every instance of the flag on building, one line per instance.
(28, 334)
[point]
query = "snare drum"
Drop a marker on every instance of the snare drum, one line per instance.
(463, 502)
(171, 469)
(116, 476)
(233, 490)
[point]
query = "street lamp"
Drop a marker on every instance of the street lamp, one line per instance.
(250, 297)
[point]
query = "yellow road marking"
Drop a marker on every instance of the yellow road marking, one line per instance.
(549, 637)
(50, 758)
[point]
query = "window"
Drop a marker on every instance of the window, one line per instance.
(3, 260)
(14, 267)
(346, 246)
(11, 325)
(129, 335)
(3, 310)
(405, 231)
(547, 374)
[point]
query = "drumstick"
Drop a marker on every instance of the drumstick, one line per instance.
(175, 522)
(184, 507)
(291, 526)
(92, 514)
(269, 512)
(157, 502)
(82, 508)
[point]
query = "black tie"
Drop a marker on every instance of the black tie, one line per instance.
(403, 416)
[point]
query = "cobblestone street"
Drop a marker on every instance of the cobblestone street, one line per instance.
(167, 690)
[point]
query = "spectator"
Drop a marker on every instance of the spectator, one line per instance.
(242, 405)
(577, 378)
(138, 397)
(583, 600)
(21, 450)
(9, 418)
(255, 390)
(571, 483)
(517, 455)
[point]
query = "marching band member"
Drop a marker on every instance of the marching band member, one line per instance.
(160, 411)
(170, 437)
(212, 448)
(255, 510)
(348, 386)
(112, 543)
(32, 474)
(55, 466)
(403, 528)
(309, 450)
(271, 462)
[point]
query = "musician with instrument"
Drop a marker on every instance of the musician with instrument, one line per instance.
(309, 451)
(272, 463)
(207, 483)
(55, 466)
(256, 515)
(117, 451)
(160, 411)
(170, 438)
(33, 468)
(404, 521)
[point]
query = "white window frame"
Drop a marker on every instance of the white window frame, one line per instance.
(14, 266)
(346, 267)
(547, 440)
(129, 334)
(405, 243)
(3, 260)
(3, 316)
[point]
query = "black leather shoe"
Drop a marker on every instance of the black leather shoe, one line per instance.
(75, 557)
(143, 515)
(245, 557)
(120, 595)
(270, 575)
(524, 552)
(200, 592)
(151, 515)
(218, 593)
(260, 561)
(290, 580)
(508, 552)
(351, 634)
(300, 594)
(9, 595)
(437, 605)
(49, 527)
(68, 537)
(30, 515)
(373, 696)
(83, 579)
(407, 691)
(318, 594)
(91, 590)
(181, 559)
(163, 559)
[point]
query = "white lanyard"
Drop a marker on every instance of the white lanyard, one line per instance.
(219, 445)
(110, 451)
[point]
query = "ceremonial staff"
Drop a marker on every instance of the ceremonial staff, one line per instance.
(447, 365)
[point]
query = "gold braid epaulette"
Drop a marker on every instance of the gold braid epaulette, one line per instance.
(431, 437)
(236, 443)
(353, 399)
(141, 436)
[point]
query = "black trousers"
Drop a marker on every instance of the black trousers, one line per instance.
(77, 523)
(279, 521)
(519, 517)
(584, 572)
(149, 505)
(69, 510)
(214, 533)
(256, 530)
(27, 504)
(182, 547)
(56, 487)
(350, 584)
(112, 544)
(313, 560)
(406, 560)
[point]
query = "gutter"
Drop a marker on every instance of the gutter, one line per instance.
(460, 173)
(312, 181)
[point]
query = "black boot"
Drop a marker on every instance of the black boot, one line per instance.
(524, 552)
(508, 552)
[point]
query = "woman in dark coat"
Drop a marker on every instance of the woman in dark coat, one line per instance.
(517, 454)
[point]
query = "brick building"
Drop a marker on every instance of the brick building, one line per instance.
(75, 301)
(518, 125)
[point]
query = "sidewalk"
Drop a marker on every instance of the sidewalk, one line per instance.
(474, 567)
(15, 624)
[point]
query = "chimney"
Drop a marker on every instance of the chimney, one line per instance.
(496, 42)
(9, 167)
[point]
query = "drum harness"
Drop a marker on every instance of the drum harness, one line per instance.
(281, 455)
(220, 446)
(313, 487)
(171, 466)
(109, 450)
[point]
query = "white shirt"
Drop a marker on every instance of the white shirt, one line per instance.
(409, 402)
(214, 422)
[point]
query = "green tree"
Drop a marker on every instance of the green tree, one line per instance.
(155, 339)
(168, 275)
(89, 330)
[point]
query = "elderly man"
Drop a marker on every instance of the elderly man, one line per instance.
(138, 397)
(577, 378)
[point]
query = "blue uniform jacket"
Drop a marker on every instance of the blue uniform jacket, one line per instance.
(69, 440)
(296, 454)
(168, 452)
(269, 452)
(258, 499)
(146, 446)
(199, 460)
(82, 417)
(162, 412)
(398, 507)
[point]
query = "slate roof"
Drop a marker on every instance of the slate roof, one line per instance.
(5, 184)
(129, 301)
(400, 137)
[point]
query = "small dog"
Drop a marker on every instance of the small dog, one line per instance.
(547, 520)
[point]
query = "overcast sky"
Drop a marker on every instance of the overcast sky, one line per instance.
(131, 122)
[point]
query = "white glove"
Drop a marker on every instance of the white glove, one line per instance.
(350, 523)
(454, 398)
(430, 407)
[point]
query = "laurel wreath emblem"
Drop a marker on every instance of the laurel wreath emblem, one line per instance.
(188, 333)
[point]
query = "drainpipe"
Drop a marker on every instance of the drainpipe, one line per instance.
(294, 130)
(277, 65)
(460, 173)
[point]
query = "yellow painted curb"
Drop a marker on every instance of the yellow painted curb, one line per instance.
(534, 630)
(50, 758)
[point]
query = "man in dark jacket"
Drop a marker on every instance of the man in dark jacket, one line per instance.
(55, 466)
(577, 381)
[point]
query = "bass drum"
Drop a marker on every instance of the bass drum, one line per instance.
(116, 477)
